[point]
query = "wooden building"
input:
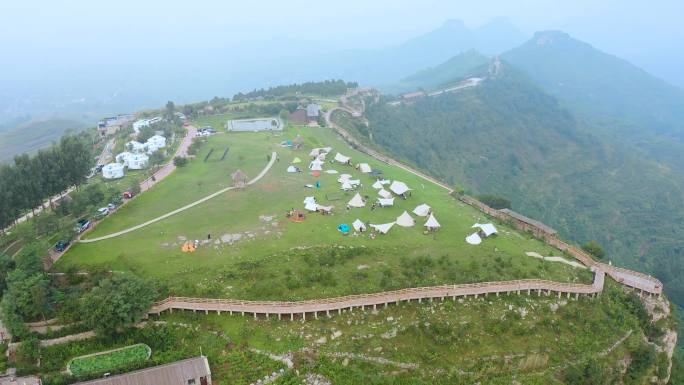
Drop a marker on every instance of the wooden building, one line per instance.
(528, 224)
(193, 371)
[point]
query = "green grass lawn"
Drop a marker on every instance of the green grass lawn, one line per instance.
(102, 362)
(278, 259)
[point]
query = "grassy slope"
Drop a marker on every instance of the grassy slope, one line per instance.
(271, 264)
(33, 135)
(495, 340)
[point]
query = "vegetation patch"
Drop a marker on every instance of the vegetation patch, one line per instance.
(104, 361)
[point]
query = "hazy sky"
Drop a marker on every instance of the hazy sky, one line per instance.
(48, 42)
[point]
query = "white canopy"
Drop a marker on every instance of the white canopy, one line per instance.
(331, 171)
(364, 167)
(325, 149)
(385, 181)
(292, 169)
(321, 156)
(315, 152)
(405, 220)
(344, 177)
(327, 209)
(399, 187)
(346, 186)
(311, 206)
(384, 193)
(354, 182)
(432, 222)
(377, 184)
(316, 165)
(487, 228)
(357, 201)
(422, 210)
(386, 202)
(384, 228)
(473, 239)
(341, 158)
(309, 200)
(358, 225)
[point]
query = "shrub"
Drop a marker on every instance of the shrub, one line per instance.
(180, 161)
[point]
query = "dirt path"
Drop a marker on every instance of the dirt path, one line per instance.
(188, 206)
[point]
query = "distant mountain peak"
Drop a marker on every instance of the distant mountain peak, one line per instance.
(542, 38)
(453, 23)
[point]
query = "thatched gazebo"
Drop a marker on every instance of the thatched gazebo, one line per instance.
(239, 179)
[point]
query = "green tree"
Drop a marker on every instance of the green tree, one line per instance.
(169, 111)
(116, 303)
(157, 158)
(495, 201)
(27, 295)
(29, 351)
(594, 248)
(6, 266)
(180, 161)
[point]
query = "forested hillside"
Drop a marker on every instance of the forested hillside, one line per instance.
(510, 138)
(616, 97)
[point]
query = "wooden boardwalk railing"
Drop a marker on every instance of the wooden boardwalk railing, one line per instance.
(327, 305)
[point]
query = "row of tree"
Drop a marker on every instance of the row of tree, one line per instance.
(324, 88)
(31, 180)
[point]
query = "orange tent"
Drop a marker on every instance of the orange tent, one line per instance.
(189, 247)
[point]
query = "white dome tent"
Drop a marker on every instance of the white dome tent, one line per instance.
(358, 225)
(384, 194)
(383, 228)
(342, 159)
(113, 171)
(432, 223)
(399, 188)
(405, 220)
(422, 210)
(157, 141)
(364, 168)
(137, 161)
(357, 201)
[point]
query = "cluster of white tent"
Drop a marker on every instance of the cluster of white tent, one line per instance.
(318, 158)
(347, 183)
(135, 158)
(406, 220)
(153, 144)
(484, 230)
(133, 161)
(385, 197)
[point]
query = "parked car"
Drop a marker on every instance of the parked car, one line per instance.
(102, 212)
(128, 195)
(82, 225)
(111, 206)
(61, 246)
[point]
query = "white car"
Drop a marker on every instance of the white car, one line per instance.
(102, 211)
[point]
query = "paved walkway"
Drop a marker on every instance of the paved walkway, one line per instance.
(263, 172)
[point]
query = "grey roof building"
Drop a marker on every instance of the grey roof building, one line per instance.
(260, 124)
(312, 110)
(193, 371)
